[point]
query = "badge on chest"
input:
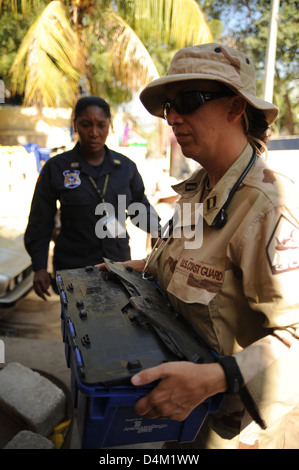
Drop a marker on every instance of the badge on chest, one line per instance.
(71, 179)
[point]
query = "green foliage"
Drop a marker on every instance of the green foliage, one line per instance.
(124, 43)
(13, 27)
(111, 41)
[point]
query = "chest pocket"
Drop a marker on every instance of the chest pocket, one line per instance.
(74, 197)
(195, 282)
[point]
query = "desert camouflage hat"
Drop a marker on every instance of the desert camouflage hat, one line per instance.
(209, 62)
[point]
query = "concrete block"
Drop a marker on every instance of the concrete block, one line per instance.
(31, 399)
(29, 440)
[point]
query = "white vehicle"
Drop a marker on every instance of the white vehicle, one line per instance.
(16, 274)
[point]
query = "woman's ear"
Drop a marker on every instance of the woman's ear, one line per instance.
(237, 108)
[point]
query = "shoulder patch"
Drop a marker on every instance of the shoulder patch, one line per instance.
(269, 176)
(283, 247)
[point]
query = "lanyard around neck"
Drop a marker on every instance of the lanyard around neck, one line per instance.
(103, 192)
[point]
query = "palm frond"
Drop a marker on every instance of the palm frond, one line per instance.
(24, 6)
(48, 64)
(180, 22)
(128, 59)
(54, 55)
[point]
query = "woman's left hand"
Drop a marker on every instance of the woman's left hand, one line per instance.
(182, 387)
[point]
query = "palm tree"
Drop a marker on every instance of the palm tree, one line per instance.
(53, 63)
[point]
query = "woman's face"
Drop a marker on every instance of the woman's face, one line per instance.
(199, 133)
(92, 126)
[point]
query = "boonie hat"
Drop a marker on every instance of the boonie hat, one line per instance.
(209, 62)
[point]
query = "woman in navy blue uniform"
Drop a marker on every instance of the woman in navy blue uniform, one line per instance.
(81, 179)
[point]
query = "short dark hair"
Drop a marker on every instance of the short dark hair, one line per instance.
(87, 101)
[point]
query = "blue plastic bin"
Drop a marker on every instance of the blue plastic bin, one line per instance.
(106, 417)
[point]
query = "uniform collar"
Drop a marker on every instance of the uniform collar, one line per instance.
(109, 163)
(193, 186)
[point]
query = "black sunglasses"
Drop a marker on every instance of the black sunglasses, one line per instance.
(188, 101)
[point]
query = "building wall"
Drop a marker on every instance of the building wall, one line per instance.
(50, 128)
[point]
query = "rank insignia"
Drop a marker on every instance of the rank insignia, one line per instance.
(71, 179)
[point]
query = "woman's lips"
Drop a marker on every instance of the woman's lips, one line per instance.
(181, 137)
(93, 143)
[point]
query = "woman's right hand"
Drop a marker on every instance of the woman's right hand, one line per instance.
(137, 264)
(41, 283)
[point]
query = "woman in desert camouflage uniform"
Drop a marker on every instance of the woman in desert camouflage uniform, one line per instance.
(238, 288)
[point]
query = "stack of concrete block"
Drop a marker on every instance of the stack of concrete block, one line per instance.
(29, 440)
(31, 399)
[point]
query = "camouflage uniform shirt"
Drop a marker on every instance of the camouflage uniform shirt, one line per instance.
(239, 288)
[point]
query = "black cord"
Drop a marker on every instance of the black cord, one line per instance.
(222, 217)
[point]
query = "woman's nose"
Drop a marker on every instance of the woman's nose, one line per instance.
(173, 117)
(93, 130)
